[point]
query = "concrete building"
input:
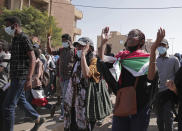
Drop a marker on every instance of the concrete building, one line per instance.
(3, 3)
(147, 46)
(67, 16)
(64, 12)
(117, 42)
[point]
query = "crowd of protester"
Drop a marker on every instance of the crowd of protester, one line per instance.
(83, 81)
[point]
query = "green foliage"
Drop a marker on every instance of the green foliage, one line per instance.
(34, 23)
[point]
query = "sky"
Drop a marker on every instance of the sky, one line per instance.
(149, 21)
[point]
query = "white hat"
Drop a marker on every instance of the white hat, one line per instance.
(164, 41)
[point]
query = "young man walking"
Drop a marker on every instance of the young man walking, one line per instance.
(22, 65)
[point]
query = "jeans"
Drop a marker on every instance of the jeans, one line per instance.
(165, 116)
(15, 94)
(64, 86)
(2, 97)
(138, 122)
(28, 96)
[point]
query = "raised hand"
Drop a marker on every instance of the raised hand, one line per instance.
(85, 49)
(28, 84)
(105, 35)
(49, 36)
(160, 37)
(152, 65)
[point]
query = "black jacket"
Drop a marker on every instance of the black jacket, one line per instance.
(178, 83)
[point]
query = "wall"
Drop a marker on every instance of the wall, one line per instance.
(117, 41)
(64, 15)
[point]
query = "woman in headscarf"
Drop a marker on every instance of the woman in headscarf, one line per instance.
(136, 69)
(86, 99)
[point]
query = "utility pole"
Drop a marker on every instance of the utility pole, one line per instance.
(21, 4)
(29, 3)
(172, 43)
(50, 9)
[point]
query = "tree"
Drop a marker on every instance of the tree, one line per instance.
(34, 23)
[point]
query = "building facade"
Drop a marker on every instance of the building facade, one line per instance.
(117, 41)
(3, 3)
(67, 16)
(65, 13)
(148, 45)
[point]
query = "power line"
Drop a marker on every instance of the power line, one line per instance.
(118, 8)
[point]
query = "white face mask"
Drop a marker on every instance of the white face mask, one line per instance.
(9, 31)
(162, 50)
(65, 44)
(79, 53)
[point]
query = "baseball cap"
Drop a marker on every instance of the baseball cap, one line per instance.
(164, 41)
(83, 41)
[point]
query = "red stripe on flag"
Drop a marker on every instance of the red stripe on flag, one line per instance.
(127, 54)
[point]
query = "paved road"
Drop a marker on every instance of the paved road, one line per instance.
(152, 127)
(52, 124)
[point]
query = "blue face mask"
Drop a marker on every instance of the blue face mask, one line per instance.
(79, 53)
(10, 31)
(162, 50)
(65, 44)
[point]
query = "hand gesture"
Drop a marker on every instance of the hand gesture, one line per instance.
(49, 36)
(160, 37)
(105, 35)
(85, 49)
(28, 84)
(171, 86)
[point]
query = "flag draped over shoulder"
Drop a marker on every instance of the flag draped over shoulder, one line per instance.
(137, 66)
(136, 63)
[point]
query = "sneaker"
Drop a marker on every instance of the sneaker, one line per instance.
(37, 125)
(61, 118)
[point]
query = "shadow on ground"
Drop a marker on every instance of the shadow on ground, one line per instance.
(107, 124)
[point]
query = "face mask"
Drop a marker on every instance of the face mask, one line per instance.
(79, 53)
(9, 31)
(65, 44)
(161, 50)
(132, 48)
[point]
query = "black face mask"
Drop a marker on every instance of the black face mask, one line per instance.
(132, 48)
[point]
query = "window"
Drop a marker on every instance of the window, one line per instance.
(121, 42)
